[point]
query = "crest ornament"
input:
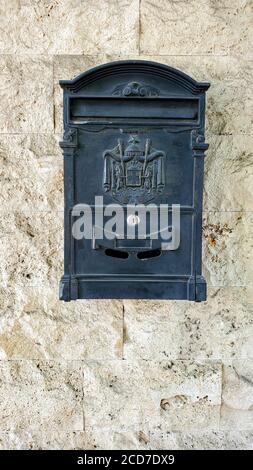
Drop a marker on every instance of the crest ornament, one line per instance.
(135, 89)
(134, 171)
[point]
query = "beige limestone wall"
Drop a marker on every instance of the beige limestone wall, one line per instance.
(132, 374)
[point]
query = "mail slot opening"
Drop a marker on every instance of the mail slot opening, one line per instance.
(116, 253)
(162, 109)
(143, 255)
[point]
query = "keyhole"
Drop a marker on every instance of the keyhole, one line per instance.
(133, 220)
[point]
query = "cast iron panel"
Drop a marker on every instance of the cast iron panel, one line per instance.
(134, 134)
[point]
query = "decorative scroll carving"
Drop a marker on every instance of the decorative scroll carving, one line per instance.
(198, 144)
(69, 138)
(135, 89)
(134, 172)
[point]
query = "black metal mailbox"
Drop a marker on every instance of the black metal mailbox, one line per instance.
(133, 135)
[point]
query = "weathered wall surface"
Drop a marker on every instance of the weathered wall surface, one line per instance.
(132, 374)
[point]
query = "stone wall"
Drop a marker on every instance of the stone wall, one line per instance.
(132, 374)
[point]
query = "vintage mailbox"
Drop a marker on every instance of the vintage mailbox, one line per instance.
(133, 145)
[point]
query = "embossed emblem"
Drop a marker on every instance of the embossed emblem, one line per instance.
(135, 89)
(134, 171)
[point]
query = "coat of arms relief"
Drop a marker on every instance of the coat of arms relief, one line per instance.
(134, 171)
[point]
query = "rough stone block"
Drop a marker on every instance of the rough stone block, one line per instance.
(119, 439)
(37, 395)
(237, 395)
(31, 173)
(34, 324)
(227, 248)
(220, 328)
(31, 249)
(69, 26)
(151, 395)
(196, 27)
(211, 440)
(103, 438)
(49, 440)
(228, 178)
(26, 94)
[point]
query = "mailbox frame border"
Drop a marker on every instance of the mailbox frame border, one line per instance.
(74, 286)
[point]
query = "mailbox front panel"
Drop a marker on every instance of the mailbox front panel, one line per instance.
(134, 136)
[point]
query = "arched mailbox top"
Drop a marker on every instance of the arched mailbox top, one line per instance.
(131, 92)
(128, 67)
